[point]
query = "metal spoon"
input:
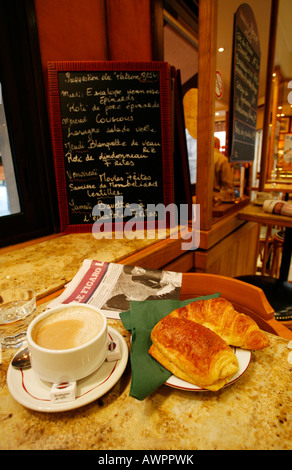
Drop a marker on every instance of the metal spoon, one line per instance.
(21, 359)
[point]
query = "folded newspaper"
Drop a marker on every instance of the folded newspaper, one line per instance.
(278, 207)
(111, 286)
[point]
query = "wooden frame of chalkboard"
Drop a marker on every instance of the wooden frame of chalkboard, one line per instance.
(244, 86)
(112, 139)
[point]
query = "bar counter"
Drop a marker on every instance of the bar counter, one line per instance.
(252, 413)
(49, 264)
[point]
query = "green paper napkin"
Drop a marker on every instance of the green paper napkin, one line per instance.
(147, 373)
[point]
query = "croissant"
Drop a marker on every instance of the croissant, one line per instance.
(193, 352)
(220, 316)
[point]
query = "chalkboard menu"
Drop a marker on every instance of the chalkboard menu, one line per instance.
(111, 133)
(244, 85)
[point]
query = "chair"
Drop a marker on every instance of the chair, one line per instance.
(277, 248)
(246, 298)
(278, 293)
(265, 246)
(270, 244)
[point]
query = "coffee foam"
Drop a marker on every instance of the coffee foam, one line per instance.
(68, 328)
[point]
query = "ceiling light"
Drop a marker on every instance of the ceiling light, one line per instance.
(221, 49)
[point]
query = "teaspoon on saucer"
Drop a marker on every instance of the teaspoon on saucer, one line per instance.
(21, 360)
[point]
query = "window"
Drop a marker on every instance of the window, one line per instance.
(9, 199)
(29, 207)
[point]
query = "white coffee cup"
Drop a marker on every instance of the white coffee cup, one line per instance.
(77, 360)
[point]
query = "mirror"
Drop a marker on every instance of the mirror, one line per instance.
(282, 159)
(279, 165)
(181, 50)
(280, 148)
(245, 176)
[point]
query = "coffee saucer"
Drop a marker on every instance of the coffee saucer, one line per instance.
(33, 393)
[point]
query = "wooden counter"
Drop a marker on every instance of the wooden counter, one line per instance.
(48, 264)
(256, 213)
(279, 187)
(229, 248)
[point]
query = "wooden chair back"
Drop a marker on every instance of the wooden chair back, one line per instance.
(246, 298)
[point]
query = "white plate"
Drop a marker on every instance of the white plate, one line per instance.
(30, 391)
(243, 357)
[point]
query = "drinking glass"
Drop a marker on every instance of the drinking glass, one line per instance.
(15, 305)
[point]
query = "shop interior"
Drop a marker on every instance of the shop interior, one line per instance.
(237, 263)
(181, 48)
